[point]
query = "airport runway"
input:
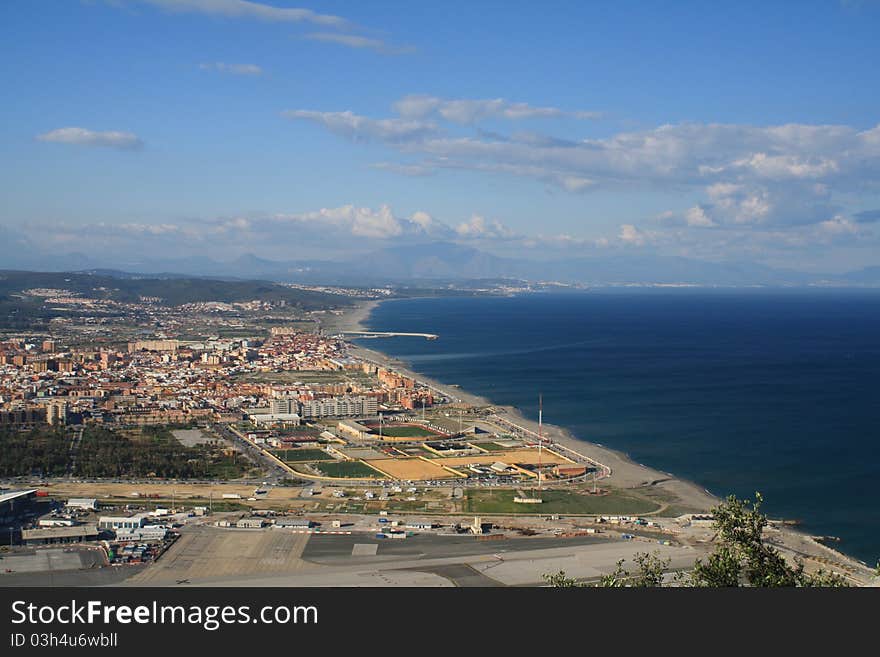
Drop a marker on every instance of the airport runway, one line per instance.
(211, 556)
(335, 550)
(214, 557)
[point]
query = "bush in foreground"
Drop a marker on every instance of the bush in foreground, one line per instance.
(741, 558)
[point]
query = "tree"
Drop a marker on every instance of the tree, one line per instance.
(741, 558)
(614, 579)
(561, 581)
(650, 573)
(651, 569)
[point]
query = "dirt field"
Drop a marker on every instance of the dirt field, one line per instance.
(414, 469)
(214, 552)
(398, 439)
(523, 455)
(181, 492)
(100, 490)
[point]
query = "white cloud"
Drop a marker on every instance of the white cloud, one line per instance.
(575, 183)
(359, 42)
(362, 222)
(786, 166)
(85, 137)
(564, 241)
(247, 10)
(629, 234)
(840, 225)
(557, 178)
(424, 221)
(416, 106)
(380, 224)
(773, 175)
(360, 128)
(467, 111)
(696, 216)
(234, 69)
(233, 225)
(480, 228)
(413, 170)
(757, 203)
(340, 223)
(336, 231)
(147, 229)
(699, 154)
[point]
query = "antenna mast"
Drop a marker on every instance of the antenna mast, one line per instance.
(540, 435)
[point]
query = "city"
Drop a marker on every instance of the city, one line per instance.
(313, 312)
(137, 441)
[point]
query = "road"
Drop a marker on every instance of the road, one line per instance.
(274, 471)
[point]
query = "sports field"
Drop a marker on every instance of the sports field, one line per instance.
(298, 455)
(348, 470)
(412, 469)
(510, 456)
(490, 447)
(406, 431)
(557, 501)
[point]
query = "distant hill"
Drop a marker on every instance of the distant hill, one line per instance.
(444, 261)
(172, 290)
(436, 260)
(433, 263)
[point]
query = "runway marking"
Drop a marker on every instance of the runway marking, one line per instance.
(364, 550)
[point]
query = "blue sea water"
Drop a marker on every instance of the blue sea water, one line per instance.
(739, 391)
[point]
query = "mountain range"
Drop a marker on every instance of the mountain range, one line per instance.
(450, 262)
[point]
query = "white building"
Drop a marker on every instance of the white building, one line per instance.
(293, 523)
(420, 525)
(273, 419)
(86, 504)
(122, 522)
(284, 405)
(339, 407)
(251, 523)
(56, 522)
(149, 533)
(49, 535)
(353, 429)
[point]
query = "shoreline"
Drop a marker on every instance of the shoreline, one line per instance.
(625, 472)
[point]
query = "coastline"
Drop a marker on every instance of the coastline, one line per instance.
(625, 472)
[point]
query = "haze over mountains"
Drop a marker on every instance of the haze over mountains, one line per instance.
(443, 261)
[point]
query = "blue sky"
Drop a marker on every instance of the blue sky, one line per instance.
(723, 131)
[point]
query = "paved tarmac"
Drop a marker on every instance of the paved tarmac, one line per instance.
(329, 549)
(204, 552)
(462, 575)
(60, 566)
(209, 556)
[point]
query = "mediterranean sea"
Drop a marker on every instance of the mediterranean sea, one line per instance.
(738, 391)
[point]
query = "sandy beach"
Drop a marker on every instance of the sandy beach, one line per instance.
(351, 319)
(625, 473)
